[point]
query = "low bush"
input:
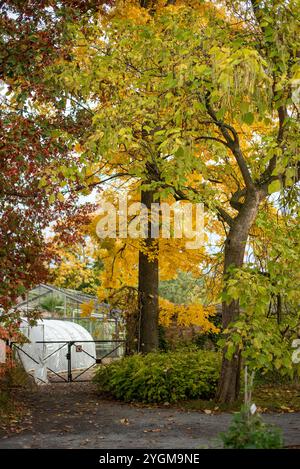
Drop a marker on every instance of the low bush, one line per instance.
(161, 377)
(249, 432)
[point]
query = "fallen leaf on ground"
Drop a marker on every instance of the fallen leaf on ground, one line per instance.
(288, 409)
(124, 421)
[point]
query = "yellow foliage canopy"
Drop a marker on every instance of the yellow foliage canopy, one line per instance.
(186, 315)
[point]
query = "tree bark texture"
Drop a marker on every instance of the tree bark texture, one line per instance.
(235, 246)
(148, 290)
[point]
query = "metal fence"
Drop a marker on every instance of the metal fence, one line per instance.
(108, 347)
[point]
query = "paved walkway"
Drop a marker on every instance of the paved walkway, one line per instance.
(73, 416)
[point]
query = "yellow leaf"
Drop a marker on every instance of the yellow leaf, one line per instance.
(78, 148)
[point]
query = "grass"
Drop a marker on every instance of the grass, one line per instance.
(268, 398)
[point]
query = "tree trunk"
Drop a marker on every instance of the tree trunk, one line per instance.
(235, 245)
(148, 290)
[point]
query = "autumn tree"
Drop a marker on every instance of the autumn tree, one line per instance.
(270, 163)
(76, 265)
(267, 288)
(118, 278)
(143, 155)
(34, 161)
(197, 90)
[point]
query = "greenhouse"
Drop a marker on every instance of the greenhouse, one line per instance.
(99, 319)
(47, 349)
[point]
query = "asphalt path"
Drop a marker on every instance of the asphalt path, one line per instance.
(72, 415)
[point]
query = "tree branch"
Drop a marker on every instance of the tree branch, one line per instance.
(232, 143)
(266, 177)
(94, 184)
(235, 199)
(225, 216)
(207, 137)
(221, 212)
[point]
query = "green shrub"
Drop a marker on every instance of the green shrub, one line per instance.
(273, 378)
(161, 377)
(249, 431)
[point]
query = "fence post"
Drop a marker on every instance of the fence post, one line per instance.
(69, 358)
(9, 355)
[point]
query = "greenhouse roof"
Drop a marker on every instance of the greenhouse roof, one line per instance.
(37, 297)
